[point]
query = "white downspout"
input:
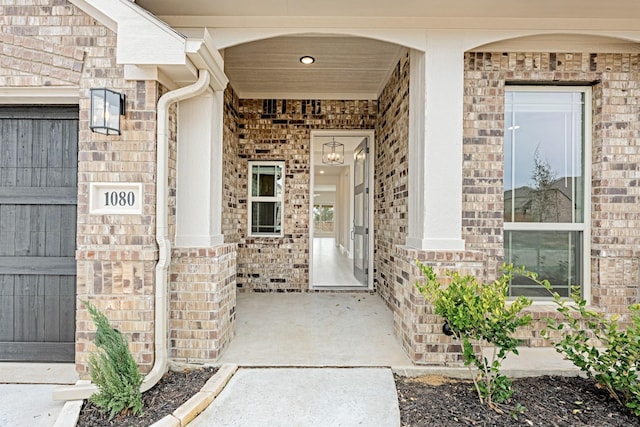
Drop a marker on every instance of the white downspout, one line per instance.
(162, 227)
(84, 391)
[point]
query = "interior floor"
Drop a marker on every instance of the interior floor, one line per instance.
(330, 266)
(314, 329)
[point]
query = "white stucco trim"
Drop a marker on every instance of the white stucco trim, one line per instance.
(228, 37)
(417, 93)
(415, 38)
(40, 95)
(199, 171)
(153, 47)
(435, 144)
(404, 22)
(142, 38)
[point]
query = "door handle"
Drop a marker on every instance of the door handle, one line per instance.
(353, 233)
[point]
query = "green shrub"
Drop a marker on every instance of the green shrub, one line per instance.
(614, 361)
(478, 314)
(113, 370)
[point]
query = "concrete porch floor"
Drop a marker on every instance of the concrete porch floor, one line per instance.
(313, 329)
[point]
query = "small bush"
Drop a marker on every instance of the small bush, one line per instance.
(113, 370)
(614, 362)
(478, 314)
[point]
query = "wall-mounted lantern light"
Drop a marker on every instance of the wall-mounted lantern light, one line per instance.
(333, 153)
(106, 108)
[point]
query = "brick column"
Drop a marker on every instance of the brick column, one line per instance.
(417, 327)
(203, 302)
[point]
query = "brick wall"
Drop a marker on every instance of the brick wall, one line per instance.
(202, 301)
(615, 209)
(231, 215)
(280, 130)
(415, 324)
(391, 179)
(52, 43)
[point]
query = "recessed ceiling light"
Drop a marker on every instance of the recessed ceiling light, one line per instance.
(321, 172)
(307, 60)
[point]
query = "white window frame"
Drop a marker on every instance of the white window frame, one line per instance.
(251, 198)
(585, 226)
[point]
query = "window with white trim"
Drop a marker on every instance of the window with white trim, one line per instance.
(266, 198)
(546, 186)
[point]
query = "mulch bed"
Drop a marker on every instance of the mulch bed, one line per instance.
(550, 401)
(426, 401)
(172, 390)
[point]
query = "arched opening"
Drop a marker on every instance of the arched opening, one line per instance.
(556, 42)
(275, 108)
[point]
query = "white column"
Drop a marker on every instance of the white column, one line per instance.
(435, 144)
(199, 169)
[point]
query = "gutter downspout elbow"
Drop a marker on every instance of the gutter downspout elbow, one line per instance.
(160, 364)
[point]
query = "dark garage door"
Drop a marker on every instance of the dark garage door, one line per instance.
(38, 198)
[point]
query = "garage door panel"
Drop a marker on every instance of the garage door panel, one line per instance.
(38, 198)
(7, 295)
(22, 231)
(29, 309)
(7, 229)
(9, 144)
(52, 239)
(68, 228)
(67, 308)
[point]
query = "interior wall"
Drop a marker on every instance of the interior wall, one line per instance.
(321, 197)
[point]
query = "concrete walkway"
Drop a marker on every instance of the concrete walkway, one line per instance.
(342, 345)
(25, 392)
(308, 329)
(310, 397)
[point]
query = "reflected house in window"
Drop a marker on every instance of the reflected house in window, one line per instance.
(551, 204)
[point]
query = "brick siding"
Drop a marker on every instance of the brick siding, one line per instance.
(391, 189)
(615, 156)
(272, 129)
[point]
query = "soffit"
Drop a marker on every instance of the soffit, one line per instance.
(590, 9)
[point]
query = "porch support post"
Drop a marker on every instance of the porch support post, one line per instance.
(435, 144)
(199, 171)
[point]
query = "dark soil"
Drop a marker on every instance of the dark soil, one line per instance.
(172, 390)
(549, 401)
(427, 401)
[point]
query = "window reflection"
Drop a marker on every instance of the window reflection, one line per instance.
(543, 174)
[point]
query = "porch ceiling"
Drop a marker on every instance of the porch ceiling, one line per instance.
(345, 67)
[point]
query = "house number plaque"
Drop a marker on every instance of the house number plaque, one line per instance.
(115, 198)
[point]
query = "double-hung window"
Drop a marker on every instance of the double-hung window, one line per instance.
(266, 198)
(546, 186)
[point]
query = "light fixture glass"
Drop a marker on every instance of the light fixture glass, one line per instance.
(307, 60)
(333, 152)
(106, 108)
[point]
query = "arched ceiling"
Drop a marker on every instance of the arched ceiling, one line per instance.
(344, 68)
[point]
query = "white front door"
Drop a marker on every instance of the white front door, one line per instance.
(361, 212)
